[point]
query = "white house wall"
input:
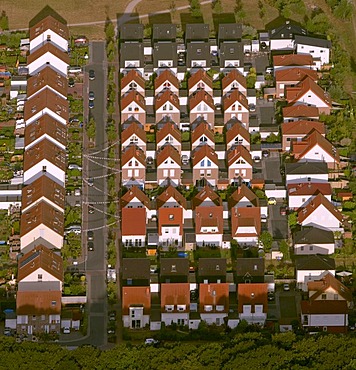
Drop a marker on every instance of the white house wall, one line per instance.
(322, 217)
(57, 40)
(41, 62)
(302, 178)
(38, 169)
(43, 232)
(316, 249)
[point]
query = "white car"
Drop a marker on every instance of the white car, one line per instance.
(66, 330)
(151, 341)
(73, 166)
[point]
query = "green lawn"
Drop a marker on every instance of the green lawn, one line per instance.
(288, 307)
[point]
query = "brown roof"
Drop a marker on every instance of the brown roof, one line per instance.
(175, 294)
(245, 217)
(168, 151)
(47, 77)
(295, 74)
(252, 294)
(168, 76)
(232, 97)
(235, 130)
(214, 294)
(203, 128)
(209, 217)
(45, 149)
(212, 266)
(136, 268)
(232, 76)
(293, 60)
(309, 188)
(38, 303)
(133, 129)
(46, 125)
(200, 96)
(133, 151)
(168, 129)
(202, 152)
(168, 193)
(135, 192)
(319, 287)
(40, 258)
(132, 75)
(324, 307)
(205, 193)
(133, 221)
(301, 110)
(43, 187)
(42, 213)
(164, 97)
(49, 23)
(170, 217)
(319, 200)
(198, 76)
(48, 48)
(302, 127)
(238, 151)
(136, 296)
(131, 96)
(46, 99)
(301, 148)
(240, 193)
(174, 266)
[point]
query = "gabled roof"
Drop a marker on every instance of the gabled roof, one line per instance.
(168, 128)
(209, 217)
(38, 302)
(301, 148)
(286, 31)
(132, 76)
(172, 217)
(324, 307)
(302, 127)
(202, 152)
(40, 258)
(206, 193)
(202, 128)
(136, 268)
(305, 86)
(133, 129)
(235, 130)
(175, 294)
(136, 296)
(43, 187)
(135, 192)
(197, 31)
(132, 96)
(174, 266)
(201, 96)
(164, 97)
(307, 168)
(250, 266)
(230, 31)
(46, 125)
(312, 41)
(232, 97)
(300, 110)
(168, 151)
(214, 294)
(295, 74)
(198, 76)
(133, 151)
(232, 76)
(238, 151)
(47, 77)
(45, 150)
(287, 60)
(212, 266)
(166, 76)
(314, 235)
(252, 294)
(242, 192)
(309, 188)
(168, 193)
(49, 23)
(245, 217)
(133, 221)
(319, 200)
(314, 262)
(48, 47)
(165, 32)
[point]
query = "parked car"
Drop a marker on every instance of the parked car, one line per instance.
(76, 229)
(272, 201)
(90, 181)
(77, 192)
(265, 153)
(286, 287)
(71, 82)
(90, 246)
(112, 315)
(73, 166)
(185, 159)
(150, 341)
(91, 74)
(283, 211)
(66, 330)
(270, 296)
(91, 95)
(149, 160)
(91, 104)
(90, 235)
(7, 332)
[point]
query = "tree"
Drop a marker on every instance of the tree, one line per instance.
(109, 31)
(217, 7)
(251, 78)
(195, 8)
(266, 239)
(293, 220)
(91, 128)
(4, 21)
(284, 248)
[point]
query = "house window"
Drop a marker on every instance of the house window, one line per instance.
(311, 248)
(129, 281)
(171, 217)
(130, 109)
(209, 163)
(323, 296)
(53, 303)
(44, 168)
(302, 248)
(180, 322)
(336, 297)
(39, 277)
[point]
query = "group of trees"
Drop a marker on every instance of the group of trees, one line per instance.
(242, 351)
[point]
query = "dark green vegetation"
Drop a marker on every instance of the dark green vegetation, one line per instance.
(244, 351)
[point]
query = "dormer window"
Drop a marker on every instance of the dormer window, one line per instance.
(174, 268)
(217, 268)
(171, 217)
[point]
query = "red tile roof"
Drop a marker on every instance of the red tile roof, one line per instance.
(135, 192)
(168, 129)
(48, 47)
(168, 151)
(252, 294)
(175, 294)
(170, 217)
(324, 307)
(40, 258)
(132, 96)
(236, 130)
(209, 217)
(293, 60)
(38, 303)
(132, 76)
(166, 76)
(202, 152)
(310, 188)
(136, 296)
(164, 97)
(201, 96)
(242, 192)
(203, 128)
(301, 110)
(295, 74)
(232, 76)
(171, 192)
(246, 217)
(206, 193)
(238, 151)
(198, 76)
(319, 200)
(214, 294)
(302, 127)
(232, 97)
(133, 221)
(49, 23)
(133, 151)
(133, 129)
